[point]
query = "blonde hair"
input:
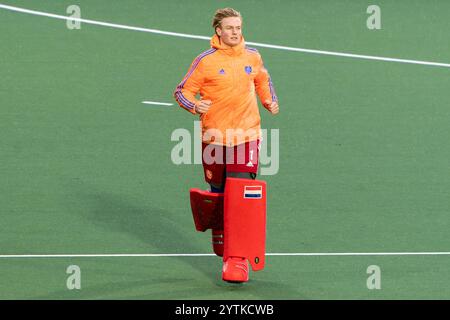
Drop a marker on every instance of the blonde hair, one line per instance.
(221, 14)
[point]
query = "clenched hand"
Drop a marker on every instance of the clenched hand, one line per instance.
(272, 106)
(202, 106)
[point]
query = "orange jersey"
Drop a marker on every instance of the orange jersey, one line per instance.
(230, 77)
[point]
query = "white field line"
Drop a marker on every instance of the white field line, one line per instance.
(143, 255)
(157, 103)
(257, 44)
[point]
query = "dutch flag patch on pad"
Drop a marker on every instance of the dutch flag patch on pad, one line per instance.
(253, 192)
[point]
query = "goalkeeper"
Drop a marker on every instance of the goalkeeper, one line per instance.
(228, 77)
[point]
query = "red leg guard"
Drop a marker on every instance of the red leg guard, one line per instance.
(207, 209)
(245, 220)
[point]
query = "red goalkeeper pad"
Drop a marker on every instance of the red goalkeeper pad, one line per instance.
(207, 209)
(245, 220)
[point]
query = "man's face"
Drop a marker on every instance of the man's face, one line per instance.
(230, 31)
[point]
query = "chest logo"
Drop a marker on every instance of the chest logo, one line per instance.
(222, 71)
(248, 69)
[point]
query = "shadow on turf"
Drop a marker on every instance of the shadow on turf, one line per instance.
(160, 229)
(155, 226)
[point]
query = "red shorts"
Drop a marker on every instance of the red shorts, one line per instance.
(217, 160)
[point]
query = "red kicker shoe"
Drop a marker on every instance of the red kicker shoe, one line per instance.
(217, 242)
(235, 270)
